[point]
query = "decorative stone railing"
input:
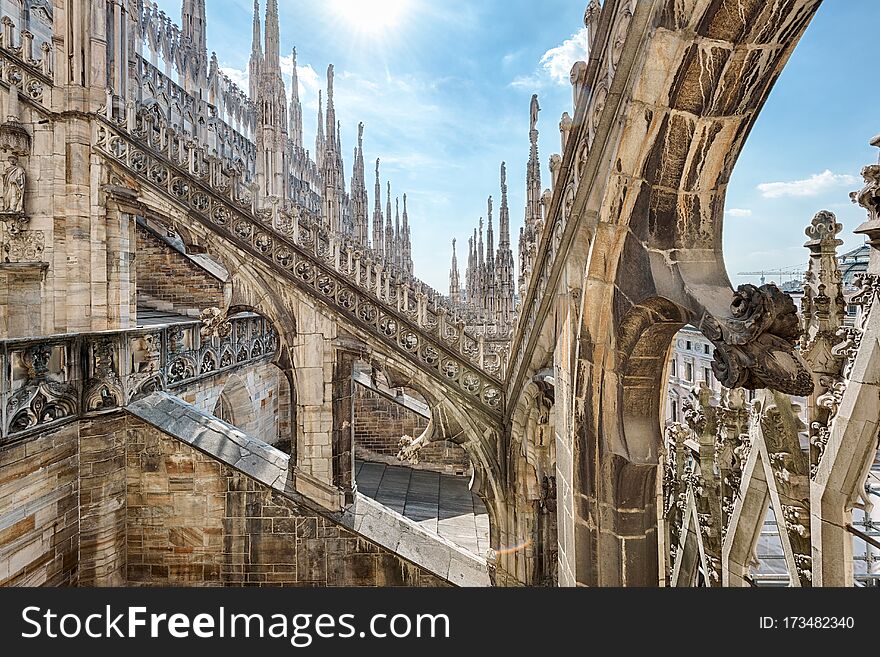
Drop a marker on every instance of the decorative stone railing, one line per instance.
(195, 116)
(591, 83)
(325, 265)
(46, 382)
(21, 68)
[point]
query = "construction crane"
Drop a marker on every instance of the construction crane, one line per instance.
(797, 270)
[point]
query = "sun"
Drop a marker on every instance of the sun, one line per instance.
(371, 17)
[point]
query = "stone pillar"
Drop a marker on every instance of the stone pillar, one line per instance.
(121, 272)
(78, 259)
(348, 350)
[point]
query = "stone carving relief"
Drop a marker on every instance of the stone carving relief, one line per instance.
(869, 195)
(755, 344)
(23, 245)
(42, 399)
(18, 243)
(104, 389)
(146, 375)
(214, 323)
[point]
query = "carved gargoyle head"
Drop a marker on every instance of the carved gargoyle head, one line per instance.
(755, 344)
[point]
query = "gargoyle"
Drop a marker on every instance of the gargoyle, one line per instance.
(410, 447)
(755, 344)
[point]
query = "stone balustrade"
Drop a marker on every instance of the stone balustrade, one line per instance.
(48, 381)
(22, 67)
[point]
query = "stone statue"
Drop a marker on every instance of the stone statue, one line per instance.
(13, 185)
(755, 345)
(214, 323)
(535, 108)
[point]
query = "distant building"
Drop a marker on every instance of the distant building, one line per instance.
(690, 364)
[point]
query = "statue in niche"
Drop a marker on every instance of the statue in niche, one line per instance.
(13, 187)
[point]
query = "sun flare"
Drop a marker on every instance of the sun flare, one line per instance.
(371, 17)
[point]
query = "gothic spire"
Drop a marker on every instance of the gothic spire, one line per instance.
(319, 136)
(490, 239)
(533, 216)
(389, 229)
(359, 192)
(193, 24)
(378, 220)
(398, 251)
(296, 125)
(454, 284)
(504, 218)
(331, 109)
(256, 55)
(472, 270)
(337, 214)
(406, 254)
(273, 52)
(339, 146)
(481, 262)
(504, 284)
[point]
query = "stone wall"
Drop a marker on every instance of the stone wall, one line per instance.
(195, 521)
(379, 423)
(254, 396)
(102, 501)
(39, 510)
(166, 275)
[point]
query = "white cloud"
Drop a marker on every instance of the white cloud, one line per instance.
(527, 82)
(738, 212)
(510, 58)
(812, 186)
(238, 76)
(309, 81)
(557, 62)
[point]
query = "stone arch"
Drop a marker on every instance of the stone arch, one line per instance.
(385, 415)
(250, 292)
(618, 427)
(236, 403)
(645, 225)
(476, 435)
(644, 338)
(531, 488)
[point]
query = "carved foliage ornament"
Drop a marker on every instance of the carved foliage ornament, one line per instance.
(869, 196)
(41, 400)
(755, 344)
(214, 323)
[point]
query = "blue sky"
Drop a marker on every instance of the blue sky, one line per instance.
(443, 89)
